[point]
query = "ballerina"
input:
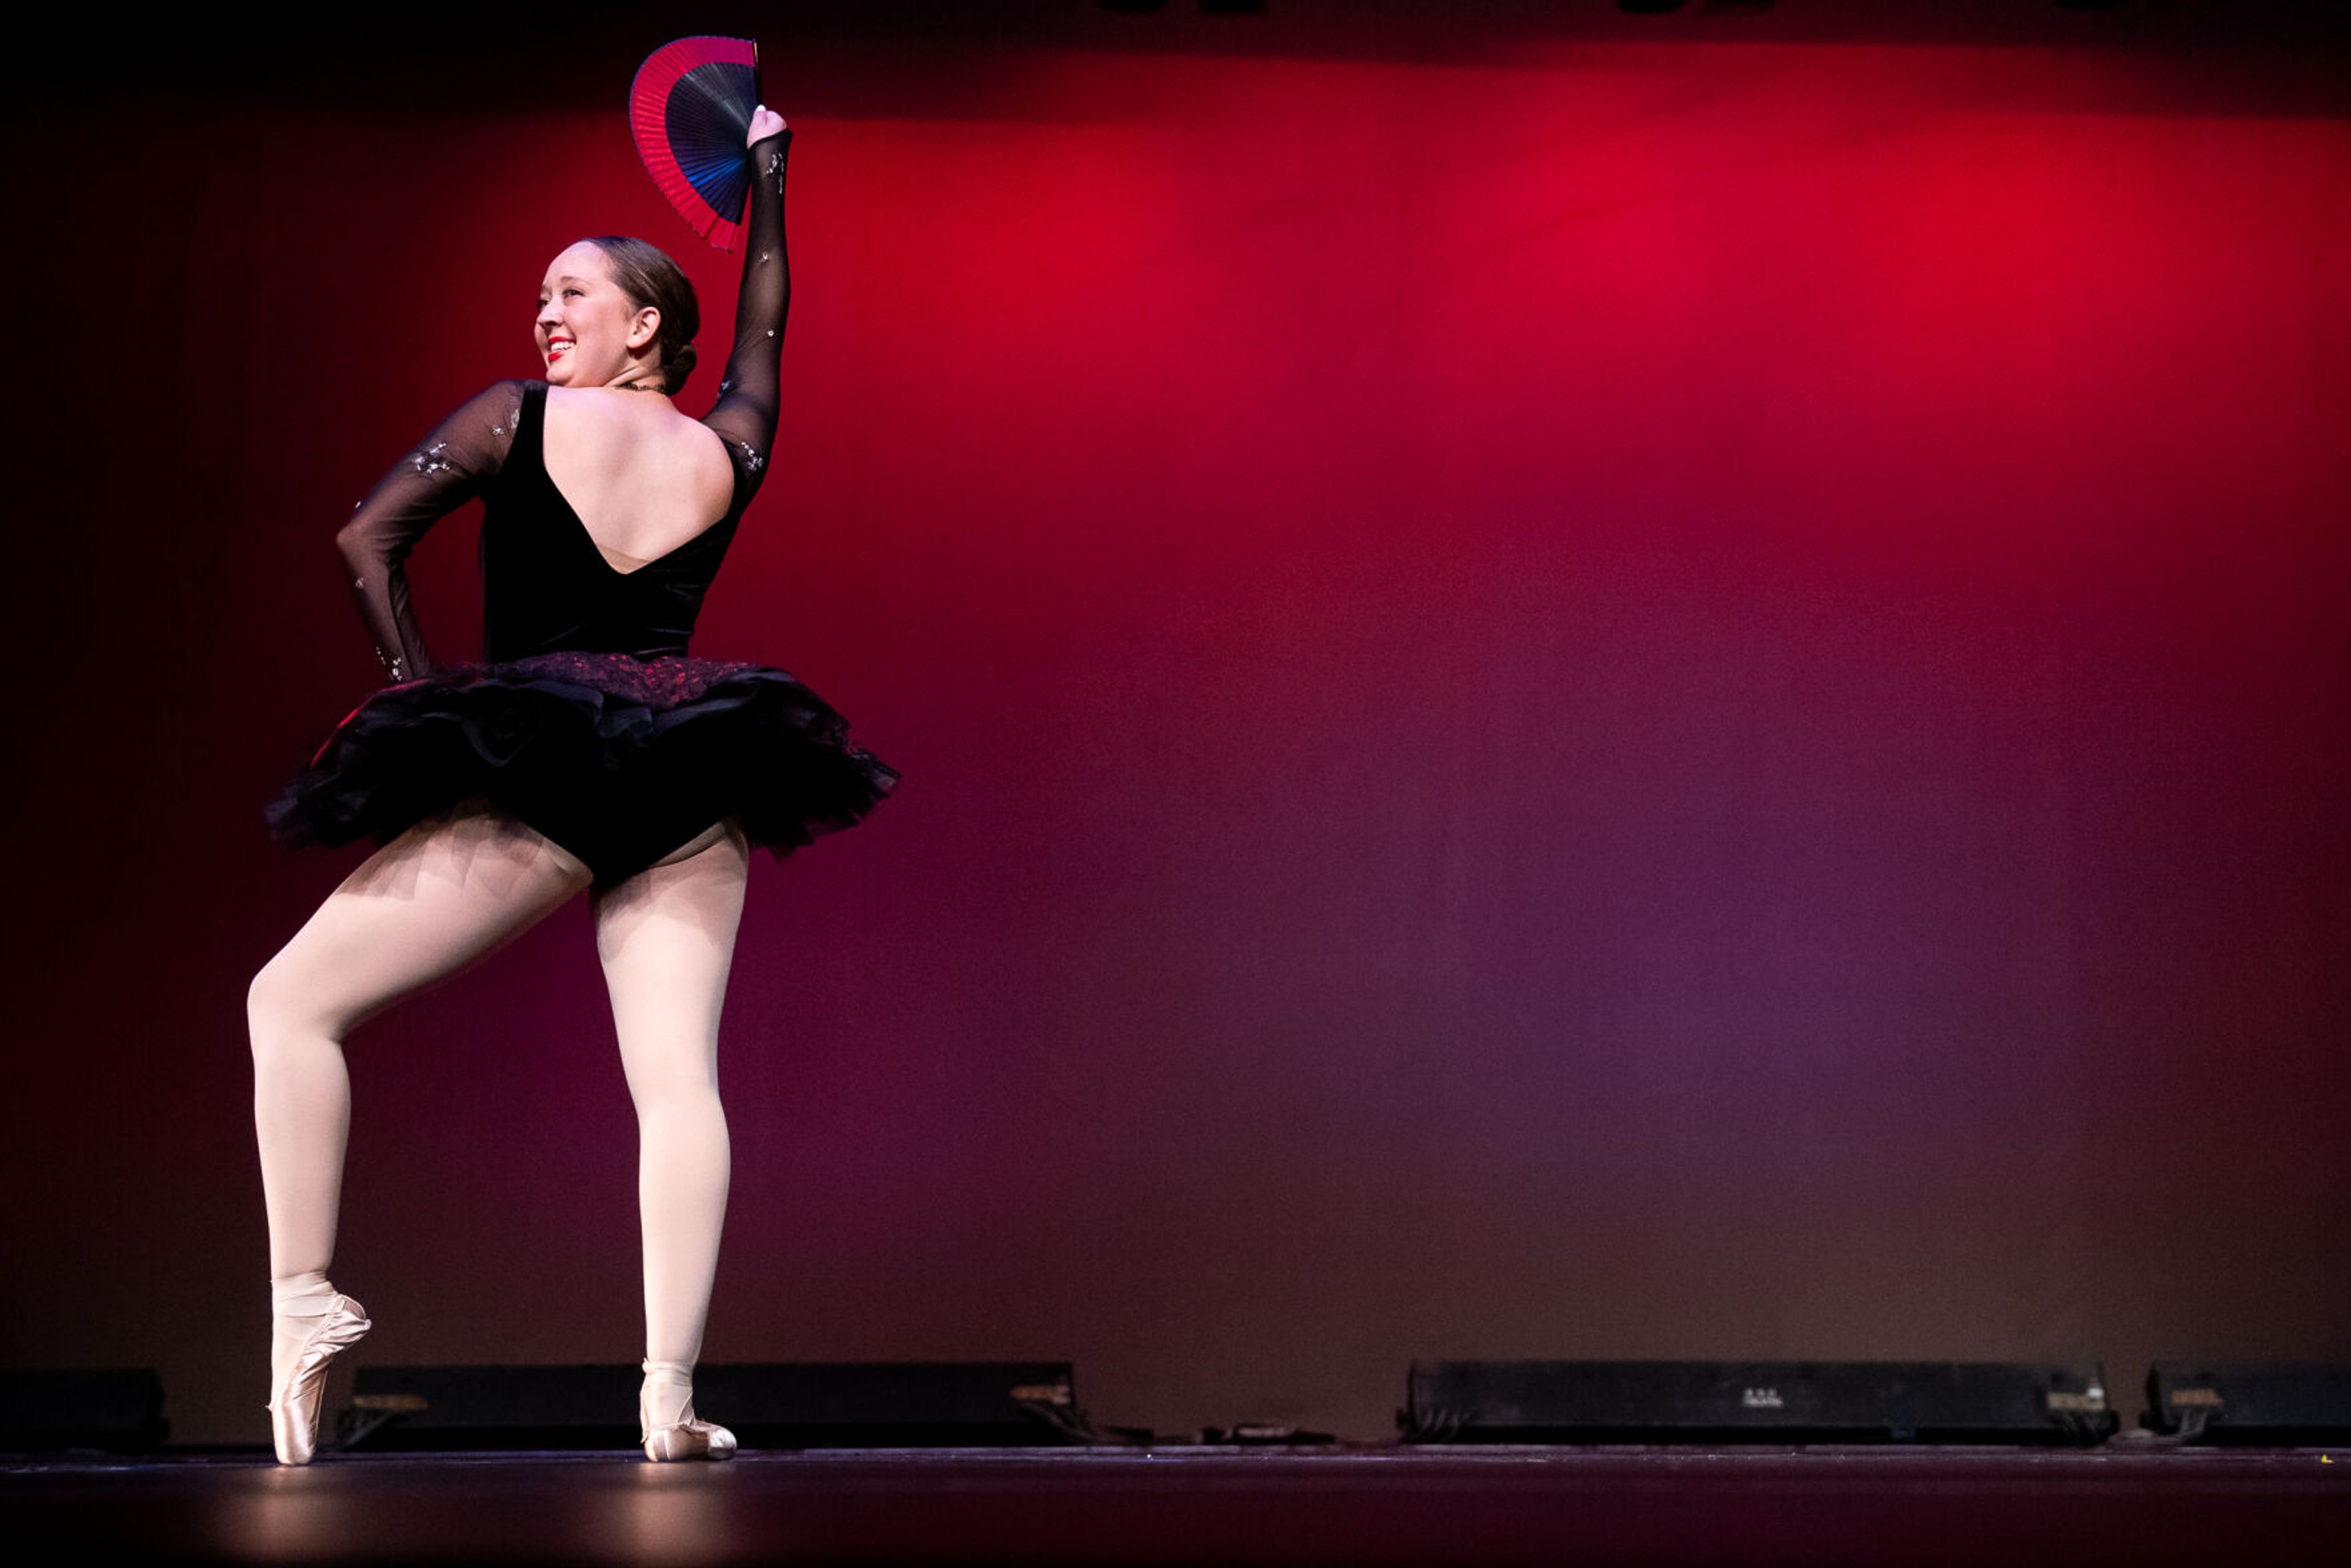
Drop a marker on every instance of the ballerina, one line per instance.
(585, 750)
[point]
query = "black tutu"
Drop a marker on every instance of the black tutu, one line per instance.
(620, 759)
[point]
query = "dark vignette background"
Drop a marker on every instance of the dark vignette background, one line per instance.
(1570, 685)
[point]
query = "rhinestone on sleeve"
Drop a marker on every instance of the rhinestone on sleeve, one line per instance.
(751, 459)
(430, 460)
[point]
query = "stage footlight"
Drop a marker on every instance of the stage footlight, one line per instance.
(2296, 1404)
(872, 1405)
(1755, 1402)
(112, 1411)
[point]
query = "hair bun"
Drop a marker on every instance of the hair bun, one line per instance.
(648, 276)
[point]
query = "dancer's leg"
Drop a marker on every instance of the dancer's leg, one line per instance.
(444, 895)
(666, 937)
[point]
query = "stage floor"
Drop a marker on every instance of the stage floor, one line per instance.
(1184, 1504)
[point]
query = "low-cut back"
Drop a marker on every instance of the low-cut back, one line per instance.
(547, 584)
(618, 446)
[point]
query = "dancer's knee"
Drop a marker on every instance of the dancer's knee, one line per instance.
(683, 1115)
(281, 1009)
(679, 1076)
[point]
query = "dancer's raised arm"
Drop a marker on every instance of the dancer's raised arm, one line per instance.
(751, 395)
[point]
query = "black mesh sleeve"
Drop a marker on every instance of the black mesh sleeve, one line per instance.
(751, 395)
(448, 468)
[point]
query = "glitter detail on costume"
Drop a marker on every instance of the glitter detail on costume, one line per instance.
(664, 681)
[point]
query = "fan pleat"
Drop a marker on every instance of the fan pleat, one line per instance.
(690, 107)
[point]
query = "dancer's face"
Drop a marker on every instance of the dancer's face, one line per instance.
(589, 333)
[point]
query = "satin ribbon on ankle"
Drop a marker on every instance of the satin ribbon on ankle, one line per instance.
(685, 1437)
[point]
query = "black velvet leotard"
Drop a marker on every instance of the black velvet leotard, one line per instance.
(544, 584)
(585, 717)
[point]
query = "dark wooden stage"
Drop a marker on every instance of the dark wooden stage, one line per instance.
(1347, 1504)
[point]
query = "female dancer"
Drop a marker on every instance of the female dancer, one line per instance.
(585, 750)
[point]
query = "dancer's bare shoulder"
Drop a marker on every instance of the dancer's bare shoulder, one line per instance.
(643, 477)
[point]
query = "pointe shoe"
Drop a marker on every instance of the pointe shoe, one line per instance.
(682, 1437)
(295, 1403)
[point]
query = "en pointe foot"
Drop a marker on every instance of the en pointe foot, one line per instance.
(300, 1379)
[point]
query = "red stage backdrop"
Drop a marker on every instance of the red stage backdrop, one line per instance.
(1601, 700)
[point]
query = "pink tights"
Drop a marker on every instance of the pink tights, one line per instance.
(439, 899)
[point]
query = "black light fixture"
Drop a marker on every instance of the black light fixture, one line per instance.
(1706, 7)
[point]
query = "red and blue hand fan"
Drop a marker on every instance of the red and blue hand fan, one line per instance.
(691, 107)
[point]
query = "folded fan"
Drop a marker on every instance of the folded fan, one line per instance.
(691, 107)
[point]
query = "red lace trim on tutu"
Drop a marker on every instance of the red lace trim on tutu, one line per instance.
(665, 681)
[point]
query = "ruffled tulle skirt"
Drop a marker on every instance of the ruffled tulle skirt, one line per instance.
(620, 759)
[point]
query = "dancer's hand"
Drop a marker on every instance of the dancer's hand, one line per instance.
(765, 122)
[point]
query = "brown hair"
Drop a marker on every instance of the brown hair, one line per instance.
(644, 272)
